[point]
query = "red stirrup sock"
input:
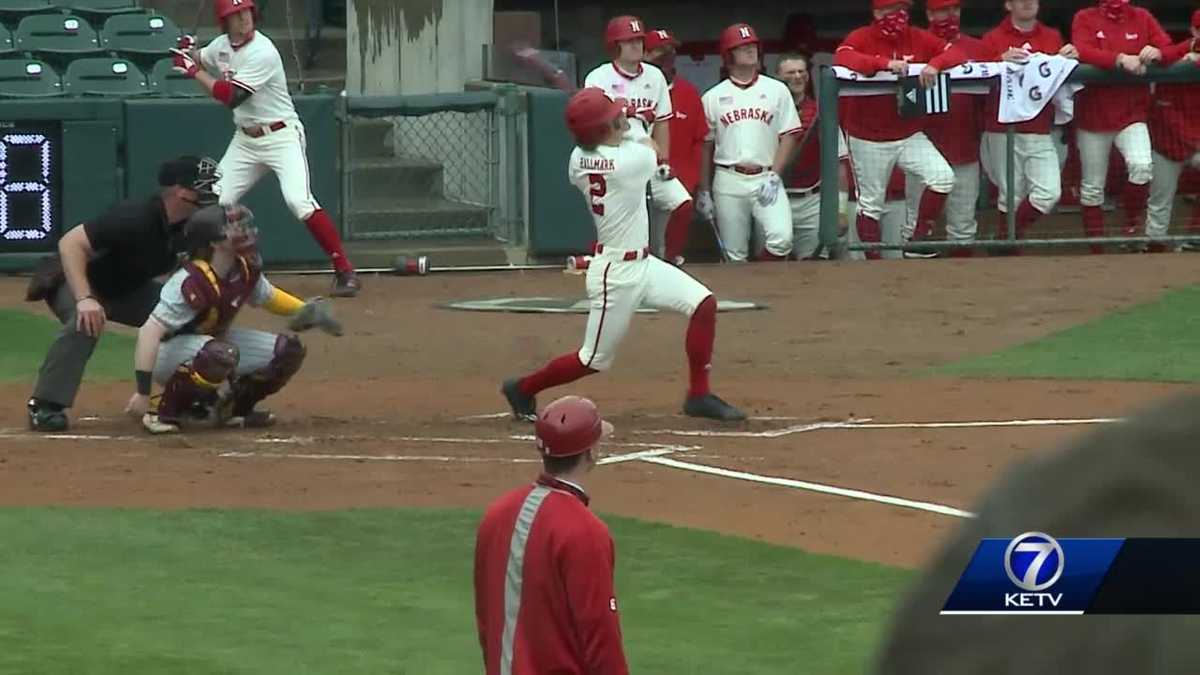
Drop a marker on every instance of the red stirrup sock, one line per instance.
(701, 332)
(930, 209)
(325, 232)
(678, 226)
(561, 370)
(869, 232)
(1134, 198)
(1093, 226)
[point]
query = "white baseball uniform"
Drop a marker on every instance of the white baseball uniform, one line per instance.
(256, 68)
(1037, 173)
(1162, 192)
(1133, 142)
(745, 124)
(648, 96)
(960, 204)
(623, 274)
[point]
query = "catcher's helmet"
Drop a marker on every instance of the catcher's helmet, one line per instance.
(569, 426)
(224, 8)
(735, 36)
(199, 174)
(218, 223)
(589, 114)
(623, 28)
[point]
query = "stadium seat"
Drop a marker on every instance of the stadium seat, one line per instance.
(27, 78)
(7, 45)
(57, 38)
(104, 77)
(98, 9)
(15, 10)
(145, 37)
(164, 81)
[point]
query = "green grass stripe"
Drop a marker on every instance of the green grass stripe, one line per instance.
(134, 592)
(27, 337)
(1156, 341)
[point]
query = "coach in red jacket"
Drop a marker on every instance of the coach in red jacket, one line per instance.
(1116, 35)
(879, 138)
(688, 129)
(544, 599)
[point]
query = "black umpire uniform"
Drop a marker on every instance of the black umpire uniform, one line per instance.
(132, 243)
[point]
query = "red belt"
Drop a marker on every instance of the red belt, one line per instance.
(745, 169)
(628, 255)
(259, 132)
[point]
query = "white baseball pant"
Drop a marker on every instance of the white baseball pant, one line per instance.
(1162, 192)
(873, 162)
(616, 288)
(737, 210)
(806, 221)
(665, 197)
(892, 224)
(283, 152)
(256, 348)
(1038, 170)
(1133, 142)
(960, 205)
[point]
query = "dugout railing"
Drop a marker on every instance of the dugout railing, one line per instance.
(1060, 229)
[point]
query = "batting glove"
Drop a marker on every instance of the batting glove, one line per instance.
(186, 43)
(664, 172)
(184, 63)
(704, 205)
(768, 192)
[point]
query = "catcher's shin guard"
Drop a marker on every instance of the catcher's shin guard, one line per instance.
(249, 389)
(197, 381)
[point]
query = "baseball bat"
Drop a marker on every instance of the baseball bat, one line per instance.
(199, 13)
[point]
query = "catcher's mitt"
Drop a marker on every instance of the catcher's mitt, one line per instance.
(318, 313)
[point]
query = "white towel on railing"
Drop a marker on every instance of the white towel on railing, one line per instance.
(1027, 88)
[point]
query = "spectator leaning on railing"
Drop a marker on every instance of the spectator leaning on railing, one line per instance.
(1175, 136)
(1115, 35)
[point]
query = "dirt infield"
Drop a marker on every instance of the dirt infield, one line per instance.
(376, 418)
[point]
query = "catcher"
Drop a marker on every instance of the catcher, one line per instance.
(188, 344)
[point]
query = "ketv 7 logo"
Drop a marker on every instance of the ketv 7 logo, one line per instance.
(1034, 562)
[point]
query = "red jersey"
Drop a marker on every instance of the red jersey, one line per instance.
(956, 133)
(806, 169)
(865, 50)
(688, 129)
(544, 600)
(1174, 121)
(1043, 39)
(1100, 40)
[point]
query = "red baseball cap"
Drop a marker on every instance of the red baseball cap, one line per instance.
(1196, 19)
(934, 5)
(659, 37)
(883, 4)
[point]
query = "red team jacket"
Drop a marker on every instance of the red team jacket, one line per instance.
(564, 608)
(956, 133)
(806, 169)
(688, 129)
(1099, 40)
(1175, 118)
(1042, 39)
(865, 50)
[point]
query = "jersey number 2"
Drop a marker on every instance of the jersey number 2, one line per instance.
(599, 189)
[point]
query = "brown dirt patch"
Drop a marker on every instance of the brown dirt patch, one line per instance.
(840, 341)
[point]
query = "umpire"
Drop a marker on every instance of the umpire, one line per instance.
(544, 599)
(105, 270)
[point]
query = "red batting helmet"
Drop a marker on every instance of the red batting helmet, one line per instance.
(934, 5)
(623, 28)
(735, 36)
(226, 7)
(660, 37)
(569, 426)
(589, 114)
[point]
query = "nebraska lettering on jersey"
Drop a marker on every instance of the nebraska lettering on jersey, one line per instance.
(742, 114)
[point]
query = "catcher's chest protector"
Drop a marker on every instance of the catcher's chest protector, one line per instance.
(218, 300)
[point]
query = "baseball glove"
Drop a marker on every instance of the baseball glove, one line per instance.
(316, 313)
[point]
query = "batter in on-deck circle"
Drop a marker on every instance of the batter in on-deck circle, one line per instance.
(612, 171)
(269, 136)
(752, 127)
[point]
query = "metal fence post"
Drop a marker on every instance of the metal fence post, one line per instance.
(827, 103)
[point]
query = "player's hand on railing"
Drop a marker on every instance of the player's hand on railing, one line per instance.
(768, 191)
(928, 76)
(1131, 64)
(1193, 57)
(1068, 50)
(898, 66)
(704, 205)
(89, 317)
(1150, 54)
(1017, 55)
(183, 62)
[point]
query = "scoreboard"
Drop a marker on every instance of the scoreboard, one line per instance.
(31, 166)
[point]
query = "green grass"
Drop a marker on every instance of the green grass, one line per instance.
(1157, 341)
(384, 591)
(27, 337)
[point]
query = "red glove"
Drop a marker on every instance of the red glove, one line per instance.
(183, 62)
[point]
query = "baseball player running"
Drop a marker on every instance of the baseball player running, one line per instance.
(269, 135)
(612, 171)
(879, 138)
(1037, 171)
(803, 179)
(956, 134)
(1175, 134)
(643, 89)
(752, 126)
(188, 344)
(1116, 35)
(688, 130)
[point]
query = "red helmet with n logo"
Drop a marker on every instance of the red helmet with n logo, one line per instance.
(735, 36)
(623, 28)
(226, 7)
